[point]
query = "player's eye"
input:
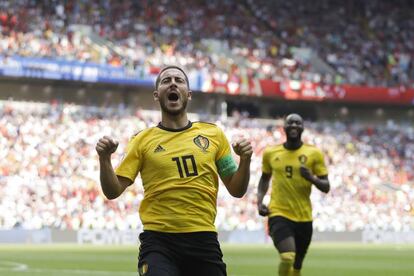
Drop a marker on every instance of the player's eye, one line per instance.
(165, 80)
(179, 80)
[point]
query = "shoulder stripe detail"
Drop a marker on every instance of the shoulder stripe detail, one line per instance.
(202, 122)
(145, 130)
(309, 145)
(136, 133)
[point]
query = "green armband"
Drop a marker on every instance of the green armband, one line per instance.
(226, 165)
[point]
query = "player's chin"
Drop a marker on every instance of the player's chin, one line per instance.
(293, 135)
(174, 111)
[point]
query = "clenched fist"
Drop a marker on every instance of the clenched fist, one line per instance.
(263, 210)
(106, 146)
(243, 148)
(306, 173)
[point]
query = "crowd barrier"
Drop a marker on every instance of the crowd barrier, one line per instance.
(130, 237)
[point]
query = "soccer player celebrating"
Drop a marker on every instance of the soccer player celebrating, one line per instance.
(294, 167)
(180, 162)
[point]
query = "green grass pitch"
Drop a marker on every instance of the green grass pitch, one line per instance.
(242, 260)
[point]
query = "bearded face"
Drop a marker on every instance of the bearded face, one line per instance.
(173, 93)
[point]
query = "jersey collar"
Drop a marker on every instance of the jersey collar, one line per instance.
(175, 129)
(295, 147)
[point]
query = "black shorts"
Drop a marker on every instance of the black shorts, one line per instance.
(180, 254)
(281, 228)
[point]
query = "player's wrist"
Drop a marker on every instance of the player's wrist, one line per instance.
(105, 157)
(246, 158)
(313, 180)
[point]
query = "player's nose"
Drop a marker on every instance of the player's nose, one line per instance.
(173, 84)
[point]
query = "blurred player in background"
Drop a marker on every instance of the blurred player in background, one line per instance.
(294, 167)
(180, 162)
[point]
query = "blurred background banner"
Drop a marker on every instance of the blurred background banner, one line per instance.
(130, 237)
(51, 69)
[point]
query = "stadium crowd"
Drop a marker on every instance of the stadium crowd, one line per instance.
(49, 170)
(366, 43)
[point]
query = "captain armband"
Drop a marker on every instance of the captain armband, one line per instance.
(226, 165)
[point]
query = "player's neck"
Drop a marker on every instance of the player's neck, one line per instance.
(293, 144)
(174, 121)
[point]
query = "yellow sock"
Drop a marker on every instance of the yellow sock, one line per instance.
(286, 262)
(295, 272)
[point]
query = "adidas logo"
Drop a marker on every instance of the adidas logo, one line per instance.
(159, 149)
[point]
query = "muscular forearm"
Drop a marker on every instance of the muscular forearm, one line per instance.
(262, 188)
(240, 180)
(321, 183)
(109, 181)
(260, 194)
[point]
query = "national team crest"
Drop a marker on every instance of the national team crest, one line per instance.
(201, 142)
(143, 269)
(302, 159)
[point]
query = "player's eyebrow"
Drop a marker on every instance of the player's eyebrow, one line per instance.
(171, 77)
(297, 121)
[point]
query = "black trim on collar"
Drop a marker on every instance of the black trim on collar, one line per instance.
(190, 124)
(292, 149)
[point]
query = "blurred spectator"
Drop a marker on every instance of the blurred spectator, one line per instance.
(367, 43)
(49, 172)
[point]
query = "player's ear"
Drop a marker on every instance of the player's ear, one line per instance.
(190, 93)
(156, 95)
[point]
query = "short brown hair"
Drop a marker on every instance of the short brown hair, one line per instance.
(157, 81)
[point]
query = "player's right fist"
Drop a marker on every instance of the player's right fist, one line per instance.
(263, 210)
(106, 146)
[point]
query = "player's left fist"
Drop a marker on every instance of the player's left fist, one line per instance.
(306, 173)
(243, 148)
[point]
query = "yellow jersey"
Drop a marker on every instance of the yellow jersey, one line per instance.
(179, 171)
(290, 195)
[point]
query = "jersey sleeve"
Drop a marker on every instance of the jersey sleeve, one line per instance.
(131, 163)
(266, 162)
(319, 167)
(225, 162)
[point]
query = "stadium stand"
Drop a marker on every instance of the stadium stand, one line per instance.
(49, 171)
(366, 43)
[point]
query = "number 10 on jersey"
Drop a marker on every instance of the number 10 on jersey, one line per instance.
(184, 161)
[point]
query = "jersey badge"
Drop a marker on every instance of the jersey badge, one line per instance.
(302, 159)
(143, 269)
(201, 142)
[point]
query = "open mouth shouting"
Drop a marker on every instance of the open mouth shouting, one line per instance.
(173, 96)
(293, 131)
